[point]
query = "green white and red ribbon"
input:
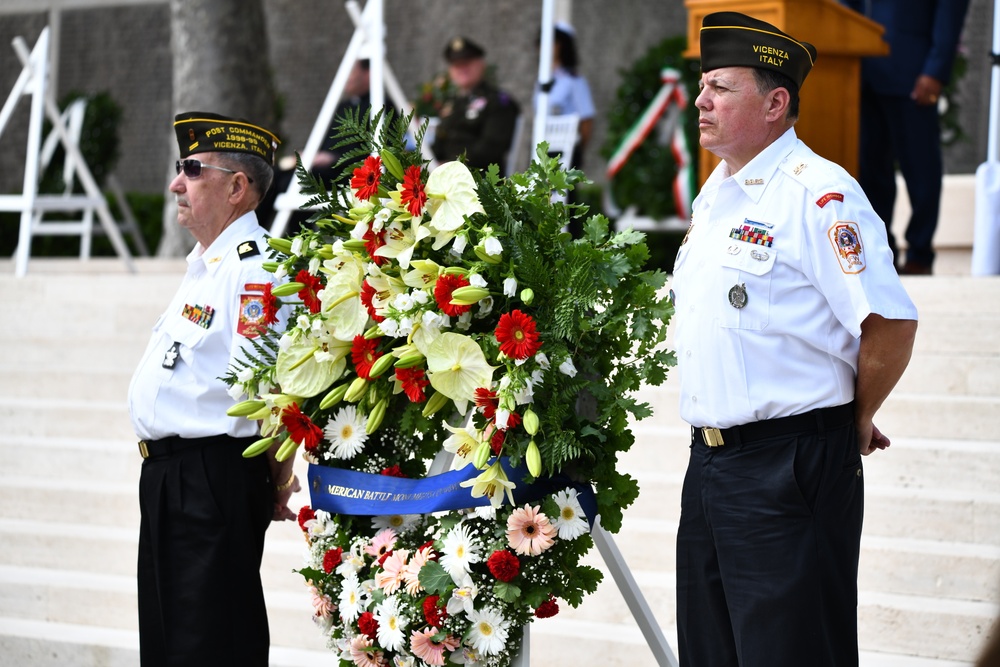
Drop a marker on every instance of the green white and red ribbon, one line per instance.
(671, 99)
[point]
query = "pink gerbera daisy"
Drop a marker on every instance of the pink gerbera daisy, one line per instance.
(390, 577)
(431, 652)
(529, 531)
(382, 543)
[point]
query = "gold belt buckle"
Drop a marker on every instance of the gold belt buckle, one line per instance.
(712, 436)
(143, 449)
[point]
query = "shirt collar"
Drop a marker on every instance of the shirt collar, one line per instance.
(211, 258)
(755, 175)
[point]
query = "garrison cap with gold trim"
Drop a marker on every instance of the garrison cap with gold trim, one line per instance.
(731, 39)
(203, 132)
(462, 48)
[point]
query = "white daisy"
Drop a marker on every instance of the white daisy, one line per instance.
(570, 522)
(488, 633)
(401, 523)
(351, 598)
(391, 626)
(346, 433)
(459, 551)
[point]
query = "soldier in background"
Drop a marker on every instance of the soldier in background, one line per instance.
(479, 119)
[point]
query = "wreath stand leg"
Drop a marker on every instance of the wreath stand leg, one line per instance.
(620, 572)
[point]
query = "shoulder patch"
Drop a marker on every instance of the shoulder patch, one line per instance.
(248, 249)
(829, 197)
(251, 320)
(846, 239)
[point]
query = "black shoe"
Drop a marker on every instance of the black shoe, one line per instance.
(915, 269)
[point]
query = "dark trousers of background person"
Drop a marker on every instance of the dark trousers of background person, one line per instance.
(201, 539)
(767, 551)
(897, 131)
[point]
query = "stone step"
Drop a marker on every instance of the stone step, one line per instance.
(922, 626)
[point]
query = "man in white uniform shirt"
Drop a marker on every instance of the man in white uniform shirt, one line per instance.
(204, 507)
(792, 328)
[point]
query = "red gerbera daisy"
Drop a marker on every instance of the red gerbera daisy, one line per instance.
(332, 558)
(373, 241)
(413, 382)
(412, 194)
(434, 614)
(300, 427)
(366, 177)
(503, 565)
(367, 294)
(306, 513)
(270, 305)
(517, 335)
(487, 400)
(443, 288)
(548, 608)
(367, 624)
(364, 355)
(308, 293)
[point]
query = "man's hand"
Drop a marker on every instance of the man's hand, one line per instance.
(281, 498)
(870, 439)
(926, 90)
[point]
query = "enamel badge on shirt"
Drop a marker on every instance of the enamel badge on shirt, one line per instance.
(846, 239)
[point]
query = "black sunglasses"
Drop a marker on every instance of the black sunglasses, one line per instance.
(192, 168)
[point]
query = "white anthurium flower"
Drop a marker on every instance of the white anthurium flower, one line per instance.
(456, 366)
(451, 196)
(510, 287)
(300, 373)
(430, 328)
(346, 316)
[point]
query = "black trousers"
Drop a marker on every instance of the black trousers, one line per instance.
(204, 513)
(767, 551)
(896, 131)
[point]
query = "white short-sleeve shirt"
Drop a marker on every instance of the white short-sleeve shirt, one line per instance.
(782, 263)
(176, 388)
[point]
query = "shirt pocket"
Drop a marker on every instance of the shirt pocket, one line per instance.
(187, 334)
(747, 271)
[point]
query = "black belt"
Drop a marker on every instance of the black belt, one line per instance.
(165, 447)
(813, 421)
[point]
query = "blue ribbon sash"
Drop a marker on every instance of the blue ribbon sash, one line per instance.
(340, 491)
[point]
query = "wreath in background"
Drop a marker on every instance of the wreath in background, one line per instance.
(643, 180)
(448, 310)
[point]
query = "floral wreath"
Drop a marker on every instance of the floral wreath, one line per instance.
(449, 311)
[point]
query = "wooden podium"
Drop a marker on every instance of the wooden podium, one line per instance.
(831, 94)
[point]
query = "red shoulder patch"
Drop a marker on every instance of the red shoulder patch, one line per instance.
(829, 197)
